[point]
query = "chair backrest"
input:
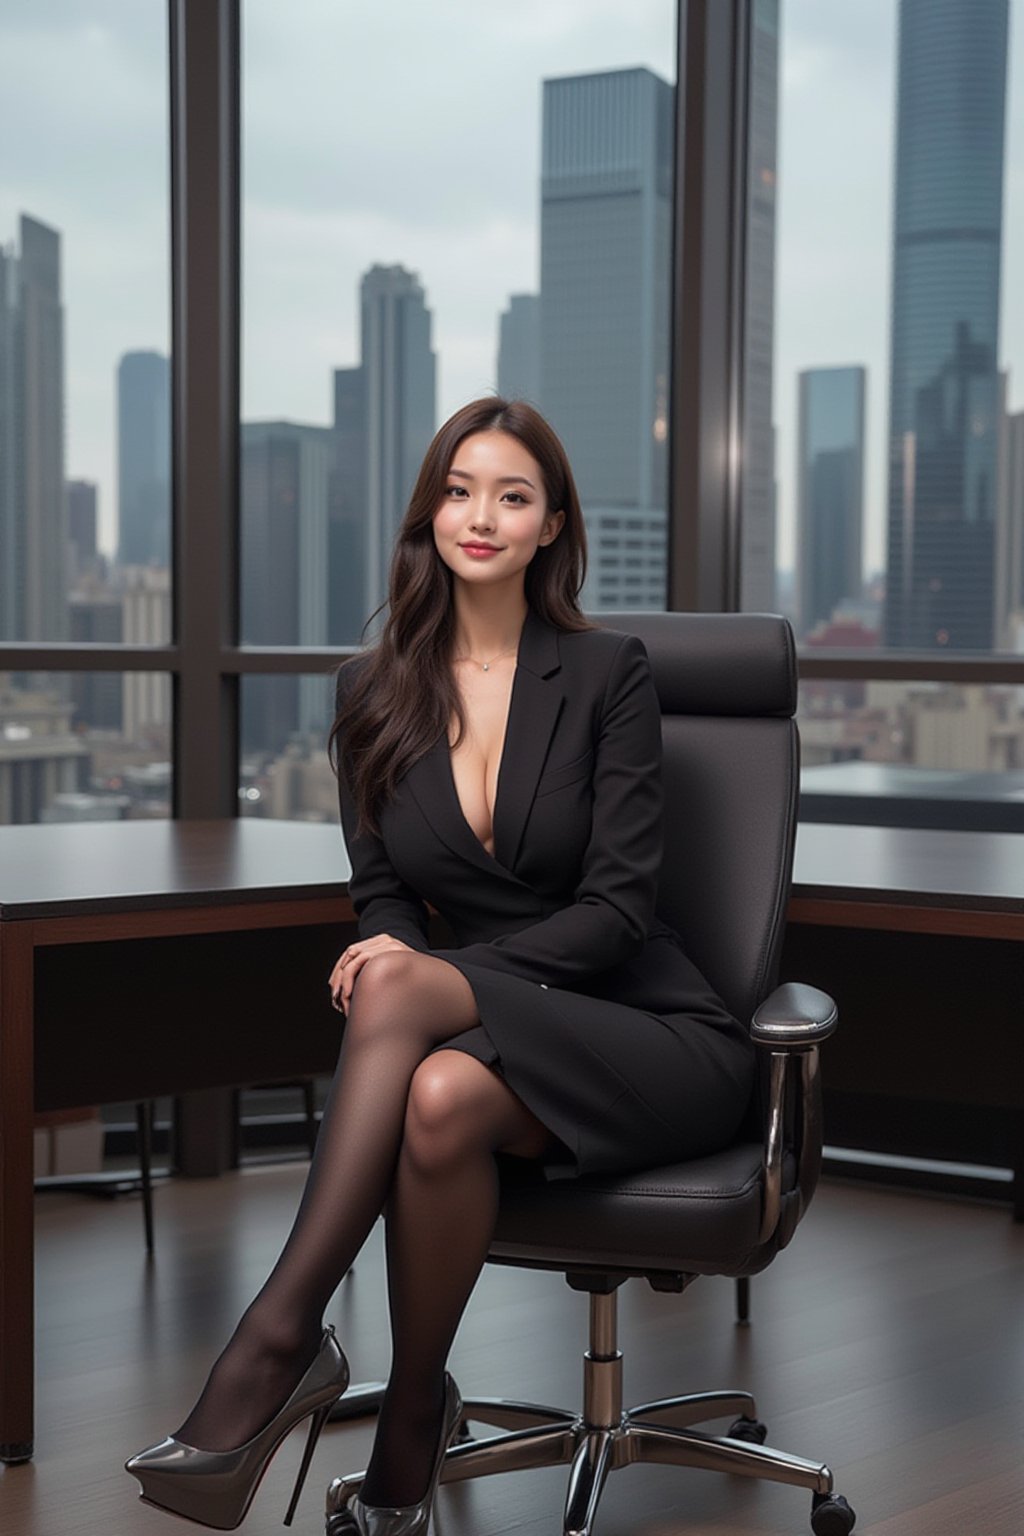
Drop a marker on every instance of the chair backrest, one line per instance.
(727, 685)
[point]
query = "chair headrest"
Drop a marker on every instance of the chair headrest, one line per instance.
(716, 663)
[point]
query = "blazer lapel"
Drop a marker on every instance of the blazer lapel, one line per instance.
(536, 703)
(533, 712)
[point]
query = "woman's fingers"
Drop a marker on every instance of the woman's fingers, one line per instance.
(351, 971)
(351, 962)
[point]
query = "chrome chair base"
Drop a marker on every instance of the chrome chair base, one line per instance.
(606, 1436)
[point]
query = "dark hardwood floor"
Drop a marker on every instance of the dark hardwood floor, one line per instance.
(888, 1340)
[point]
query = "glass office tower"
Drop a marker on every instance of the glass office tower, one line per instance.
(830, 490)
(33, 511)
(144, 459)
(399, 377)
(519, 348)
(606, 236)
(944, 386)
(285, 483)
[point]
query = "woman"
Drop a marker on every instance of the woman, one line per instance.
(498, 757)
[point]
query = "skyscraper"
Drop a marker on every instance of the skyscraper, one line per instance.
(399, 369)
(96, 618)
(944, 392)
(606, 228)
(830, 490)
(144, 459)
(757, 528)
(347, 608)
(33, 513)
(1010, 537)
(285, 478)
(81, 497)
(519, 349)
(10, 521)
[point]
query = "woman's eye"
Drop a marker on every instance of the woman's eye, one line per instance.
(460, 489)
(516, 497)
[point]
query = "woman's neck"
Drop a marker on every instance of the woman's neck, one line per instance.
(488, 623)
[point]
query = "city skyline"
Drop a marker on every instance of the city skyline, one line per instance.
(837, 69)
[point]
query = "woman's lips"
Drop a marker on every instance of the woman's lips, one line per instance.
(480, 551)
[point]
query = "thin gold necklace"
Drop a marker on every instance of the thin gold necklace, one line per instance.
(488, 664)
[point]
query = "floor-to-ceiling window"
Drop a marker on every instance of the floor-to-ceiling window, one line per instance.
(479, 202)
(883, 491)
(85, 412)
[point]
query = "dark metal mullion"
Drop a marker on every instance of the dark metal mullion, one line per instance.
(735, 40)
(42, 656)
(965, 667)
(205, 131)
(707, 289)
(867, 666)
(994, 671)
(257, 661)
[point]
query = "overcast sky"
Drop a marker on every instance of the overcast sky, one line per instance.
(401, 132)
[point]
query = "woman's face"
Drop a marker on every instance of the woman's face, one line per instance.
(494, 513)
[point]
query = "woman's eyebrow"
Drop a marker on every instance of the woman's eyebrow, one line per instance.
(464, 474)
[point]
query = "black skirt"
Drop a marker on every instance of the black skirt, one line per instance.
(621, 1087)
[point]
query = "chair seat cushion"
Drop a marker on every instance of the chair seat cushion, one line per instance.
(699, 1217)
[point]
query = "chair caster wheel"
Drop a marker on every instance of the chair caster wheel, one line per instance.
(751, 1430)
(831, 1515)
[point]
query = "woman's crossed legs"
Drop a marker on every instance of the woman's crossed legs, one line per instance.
(418, 1136)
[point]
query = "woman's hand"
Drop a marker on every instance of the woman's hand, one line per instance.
(351, 962)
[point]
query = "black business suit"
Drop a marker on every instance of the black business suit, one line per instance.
(588, 1004)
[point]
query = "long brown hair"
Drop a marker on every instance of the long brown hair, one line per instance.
(403, 695)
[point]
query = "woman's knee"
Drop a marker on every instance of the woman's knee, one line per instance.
(384, 995)
(454, 1108)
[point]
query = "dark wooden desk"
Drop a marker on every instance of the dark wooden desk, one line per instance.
(145, 958)
(917, 934)
(139, 959)
(910, 880)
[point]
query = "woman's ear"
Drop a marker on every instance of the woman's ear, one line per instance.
(552, 527)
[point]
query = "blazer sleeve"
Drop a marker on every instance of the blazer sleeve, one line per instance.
(614, 900)
(383, 901)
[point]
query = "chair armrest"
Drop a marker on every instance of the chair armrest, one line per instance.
(791, 1023)
(794, 1017)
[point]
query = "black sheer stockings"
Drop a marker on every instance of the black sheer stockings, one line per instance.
(428, 1153)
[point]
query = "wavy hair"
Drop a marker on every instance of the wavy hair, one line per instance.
(397, 698)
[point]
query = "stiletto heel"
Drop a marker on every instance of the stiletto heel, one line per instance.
(346, 1513)
(215, 1488)
(316, 1424)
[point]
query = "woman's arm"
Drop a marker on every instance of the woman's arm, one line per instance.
(383, 901)
(614, 899)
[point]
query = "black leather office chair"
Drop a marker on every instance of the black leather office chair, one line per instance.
(727, 685)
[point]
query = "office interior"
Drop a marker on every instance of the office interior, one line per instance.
(758, 261)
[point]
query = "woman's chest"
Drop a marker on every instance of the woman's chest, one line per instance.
(476, 760)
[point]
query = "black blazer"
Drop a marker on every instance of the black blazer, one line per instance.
(568, 899)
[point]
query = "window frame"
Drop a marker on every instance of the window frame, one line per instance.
(205, 659)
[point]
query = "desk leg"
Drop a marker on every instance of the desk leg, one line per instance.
(16, 1204)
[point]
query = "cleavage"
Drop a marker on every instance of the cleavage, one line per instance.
(476, 762)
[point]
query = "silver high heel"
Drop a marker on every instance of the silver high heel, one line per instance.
(216, 1487)
(347, 1515)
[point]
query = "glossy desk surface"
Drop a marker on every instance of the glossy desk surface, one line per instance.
(93, 867)
(972, 871)
(142, 866)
